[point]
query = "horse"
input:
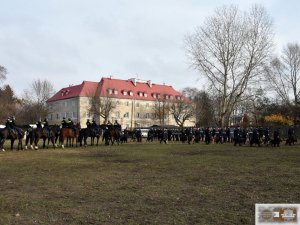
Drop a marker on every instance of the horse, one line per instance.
(43, 133)
(12, 135)
(70, 134)
(93, 132)
(112, 134)
(56, 131)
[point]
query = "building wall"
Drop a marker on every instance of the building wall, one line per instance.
(63, 108)
(130, 113)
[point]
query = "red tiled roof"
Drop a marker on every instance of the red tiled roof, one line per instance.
(116, 88)
(86, 88)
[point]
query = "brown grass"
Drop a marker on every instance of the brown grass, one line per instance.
(146, 184)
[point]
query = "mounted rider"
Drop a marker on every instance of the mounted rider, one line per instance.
(46, 126)
(117, 125)
(88, 123)
(10, 124)
(64, 123)
(39, 124)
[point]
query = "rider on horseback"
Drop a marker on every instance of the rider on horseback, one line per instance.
(39, 124)
(10, 124)
(88, 123)
(46, 126)
(70, 124)
(64, 123)
(117, 125)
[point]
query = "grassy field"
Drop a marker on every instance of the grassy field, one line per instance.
(146, 184)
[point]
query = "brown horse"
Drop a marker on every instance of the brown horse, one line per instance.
(70, 134)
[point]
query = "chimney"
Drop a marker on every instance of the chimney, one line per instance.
(133, 80)
(149, 83)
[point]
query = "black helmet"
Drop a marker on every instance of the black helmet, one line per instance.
(88, 119)
(64, 118)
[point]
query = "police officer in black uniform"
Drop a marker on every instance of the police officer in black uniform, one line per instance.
(88, 123)
(64, 123)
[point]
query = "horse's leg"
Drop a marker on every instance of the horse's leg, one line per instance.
(44, 143)
(1, 144)
(61, 140)
(36, 141)
(12, 144)
(52, 139)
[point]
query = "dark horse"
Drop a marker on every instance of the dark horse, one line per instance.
(112, 134)
(92, 132)
(12, 135)
(34, 135)
(70, 134)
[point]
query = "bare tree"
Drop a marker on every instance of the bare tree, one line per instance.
(182, 110)
(230, 50)
(35, 99)
(284, 76)
(204, 106)
(3, 73)
(101, 107)
(161, 109)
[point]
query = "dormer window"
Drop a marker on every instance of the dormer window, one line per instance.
(124, 92)
(109, 91)
(145, 94)
(171, 97)
(140, 93)
(178, 97)
(130, 93)
(115, 91)
(154, 95)
(166, 96)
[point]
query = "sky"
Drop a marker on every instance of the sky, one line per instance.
(69, 41)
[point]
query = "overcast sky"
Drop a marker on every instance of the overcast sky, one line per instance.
(68, 41)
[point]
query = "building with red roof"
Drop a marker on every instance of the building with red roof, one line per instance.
(132, 103)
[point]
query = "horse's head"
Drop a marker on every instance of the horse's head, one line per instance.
(78, 126)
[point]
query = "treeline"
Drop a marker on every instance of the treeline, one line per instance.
(28, 108)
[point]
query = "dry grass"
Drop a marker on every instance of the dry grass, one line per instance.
(146, 184)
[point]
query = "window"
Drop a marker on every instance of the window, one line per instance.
(126, 115)
(115, 91)
(130, 93)
(124, 92)
(147, 116)
(140, 93)
(117, 115)
(109, 91)
(127, 103)
(145, 94)
(138, 115)
(57, 116)
(74, 115)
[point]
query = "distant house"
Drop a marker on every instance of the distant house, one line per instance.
(134, 102)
